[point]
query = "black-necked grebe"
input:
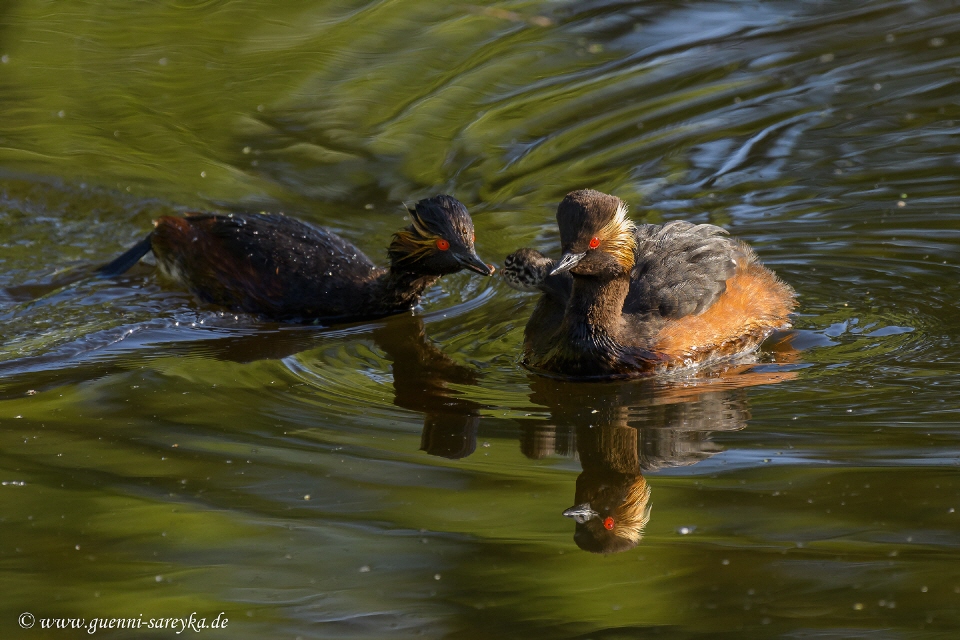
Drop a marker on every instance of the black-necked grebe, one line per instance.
(284, 269)
(627, 300)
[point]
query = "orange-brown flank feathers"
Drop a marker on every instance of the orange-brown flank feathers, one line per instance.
(754, 304)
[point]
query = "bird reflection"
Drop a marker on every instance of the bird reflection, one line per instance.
(421, 375)
(612, 498)
(620, 430)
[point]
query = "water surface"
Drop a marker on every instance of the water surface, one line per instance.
(406, 477)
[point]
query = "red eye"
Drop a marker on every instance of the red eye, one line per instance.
(473, 238)
(594, 243)
(608, 522)
(442, 244)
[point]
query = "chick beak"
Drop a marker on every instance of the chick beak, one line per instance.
(567, 261)
(581, 513)
(473, 262)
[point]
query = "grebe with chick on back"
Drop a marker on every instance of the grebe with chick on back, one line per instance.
(630, 300)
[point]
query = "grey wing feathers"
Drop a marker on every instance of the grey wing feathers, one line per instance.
(682, 268)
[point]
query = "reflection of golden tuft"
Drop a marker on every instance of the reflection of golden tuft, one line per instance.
(632, 516)
(625, 498)
(611, 484)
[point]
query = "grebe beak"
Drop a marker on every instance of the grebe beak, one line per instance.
(473, 262)
(581, 513)
(567, 261)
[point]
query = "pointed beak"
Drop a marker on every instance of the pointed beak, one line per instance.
(567, 261)
(473, 262)
(581, 513)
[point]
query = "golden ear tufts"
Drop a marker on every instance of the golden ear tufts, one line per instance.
(618, 233)
(632, 516)
(419, 227)
(412, 244)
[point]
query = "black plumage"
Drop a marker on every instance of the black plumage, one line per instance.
(285, 269)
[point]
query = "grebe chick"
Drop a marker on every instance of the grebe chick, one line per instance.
(285, 269)
(529, 270)
(627, 300)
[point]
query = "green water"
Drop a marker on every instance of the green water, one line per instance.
(405, 478)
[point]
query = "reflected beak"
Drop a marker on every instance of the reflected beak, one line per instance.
(581, 513)
(473, 262)
(567, 261)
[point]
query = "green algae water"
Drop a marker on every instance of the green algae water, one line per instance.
(406, 477)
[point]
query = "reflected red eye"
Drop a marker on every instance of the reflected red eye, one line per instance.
(473, 238)
(594, 243)
(442, 244)
(608, 522)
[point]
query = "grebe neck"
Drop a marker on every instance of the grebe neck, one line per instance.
(400, 288)
(595, 308)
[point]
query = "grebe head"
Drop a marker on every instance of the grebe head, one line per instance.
(438, 241)
(526, 270)
(612, 513)
(596, 235)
